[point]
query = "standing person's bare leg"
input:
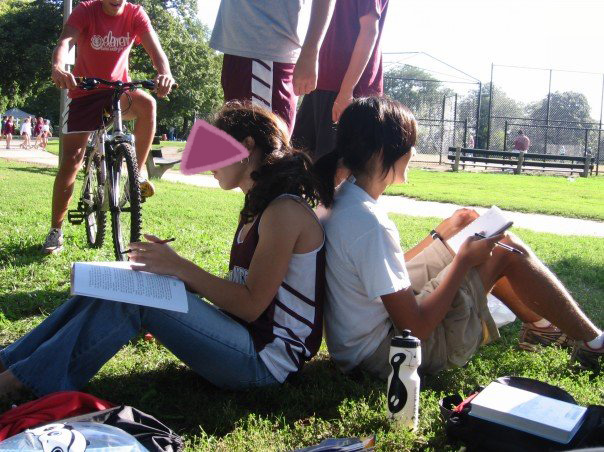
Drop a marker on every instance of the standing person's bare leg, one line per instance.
(143, 109)
(74, 146)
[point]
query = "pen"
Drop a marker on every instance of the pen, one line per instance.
(161, 242)
(502, 245)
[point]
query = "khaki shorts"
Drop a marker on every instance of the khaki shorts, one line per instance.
(467, 325)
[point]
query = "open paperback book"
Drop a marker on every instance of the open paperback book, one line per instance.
(116, 281)
(491, 222)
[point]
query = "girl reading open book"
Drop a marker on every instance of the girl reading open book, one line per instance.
(254, 329)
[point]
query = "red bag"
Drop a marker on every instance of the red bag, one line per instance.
(51, 407)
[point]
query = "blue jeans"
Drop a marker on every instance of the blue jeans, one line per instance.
(70, 346)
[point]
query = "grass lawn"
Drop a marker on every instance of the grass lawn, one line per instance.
(319, 403)
(556, 195)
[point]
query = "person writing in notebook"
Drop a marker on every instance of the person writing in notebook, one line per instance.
(255, 328)
(374, 289)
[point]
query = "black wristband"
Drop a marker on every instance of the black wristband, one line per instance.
(435, 235)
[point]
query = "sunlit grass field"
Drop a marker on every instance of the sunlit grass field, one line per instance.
(319, 403)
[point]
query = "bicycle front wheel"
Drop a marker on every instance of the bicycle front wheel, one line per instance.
(125, 201)
(92, 200)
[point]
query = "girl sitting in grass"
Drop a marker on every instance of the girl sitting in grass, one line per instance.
(254, 329)
(374, 289)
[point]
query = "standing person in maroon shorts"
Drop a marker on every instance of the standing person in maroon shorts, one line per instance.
(105, 31)
(264, 60)
(350, 66)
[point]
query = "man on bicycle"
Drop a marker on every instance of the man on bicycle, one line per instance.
(105, 31)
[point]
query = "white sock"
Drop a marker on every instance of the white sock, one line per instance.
(543, 323)
(596, 343)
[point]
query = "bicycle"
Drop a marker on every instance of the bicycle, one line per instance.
(111, 177)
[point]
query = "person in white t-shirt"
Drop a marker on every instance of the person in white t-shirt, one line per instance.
(374, 289)
(26, 133)
(45, 133)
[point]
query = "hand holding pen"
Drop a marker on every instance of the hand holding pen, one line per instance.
(160, 242)
(502, 245)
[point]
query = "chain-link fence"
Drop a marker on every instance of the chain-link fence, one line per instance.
(444, 100)
(559, 111)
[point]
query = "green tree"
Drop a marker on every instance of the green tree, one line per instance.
(503, 107)
(28, 31)
(417, 89)
(195, 66)
(570, 110)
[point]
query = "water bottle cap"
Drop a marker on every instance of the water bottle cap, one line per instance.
(405, 340)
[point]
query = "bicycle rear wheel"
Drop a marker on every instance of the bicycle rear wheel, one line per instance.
(95, 218)
(125, 200)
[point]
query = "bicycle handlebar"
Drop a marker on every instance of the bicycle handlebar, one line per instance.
(90, 83)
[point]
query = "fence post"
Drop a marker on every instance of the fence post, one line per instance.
(520, 162)
(457, 156)
(586, 166)
(505, 136)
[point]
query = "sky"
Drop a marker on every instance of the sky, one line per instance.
(473, 34)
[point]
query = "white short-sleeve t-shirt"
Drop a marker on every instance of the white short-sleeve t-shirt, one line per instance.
(266, 29)
(364, 262)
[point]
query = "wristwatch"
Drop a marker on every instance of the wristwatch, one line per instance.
(436, 236)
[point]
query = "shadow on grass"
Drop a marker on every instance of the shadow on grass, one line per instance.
(21, 255)
(186, 402)
(43, 170)
(18, 305)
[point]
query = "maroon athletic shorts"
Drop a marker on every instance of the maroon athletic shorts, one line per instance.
(86, 113)
(265, 83)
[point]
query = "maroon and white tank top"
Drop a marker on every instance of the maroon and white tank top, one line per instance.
(289, 331)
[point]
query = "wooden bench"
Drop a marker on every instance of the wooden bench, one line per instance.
(518, 161)
(157, 164)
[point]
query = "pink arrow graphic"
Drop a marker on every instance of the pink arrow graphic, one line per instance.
(209, 148)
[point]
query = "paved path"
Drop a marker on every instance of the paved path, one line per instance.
(395, 204)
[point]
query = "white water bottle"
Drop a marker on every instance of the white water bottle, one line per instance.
(403, 382)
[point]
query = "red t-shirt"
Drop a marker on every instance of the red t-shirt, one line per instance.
(339, 42)
(105, 41)
(522, 143)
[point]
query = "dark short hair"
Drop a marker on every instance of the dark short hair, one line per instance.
(368, 126)
(520, 132)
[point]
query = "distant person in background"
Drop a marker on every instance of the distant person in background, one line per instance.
(4, 118)
(350, 66)
(25, 132)
(38, 131)
(522, 142)
(171, 134)
(8, 130)
(45, 133)
(264, 59)
(471, 142)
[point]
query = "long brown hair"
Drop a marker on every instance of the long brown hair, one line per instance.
(282, 169)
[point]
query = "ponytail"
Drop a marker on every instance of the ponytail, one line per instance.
(325, 171)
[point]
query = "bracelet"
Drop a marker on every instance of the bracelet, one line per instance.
(435, 235)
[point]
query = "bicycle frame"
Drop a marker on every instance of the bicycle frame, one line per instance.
(110, 171)
(103, 142)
